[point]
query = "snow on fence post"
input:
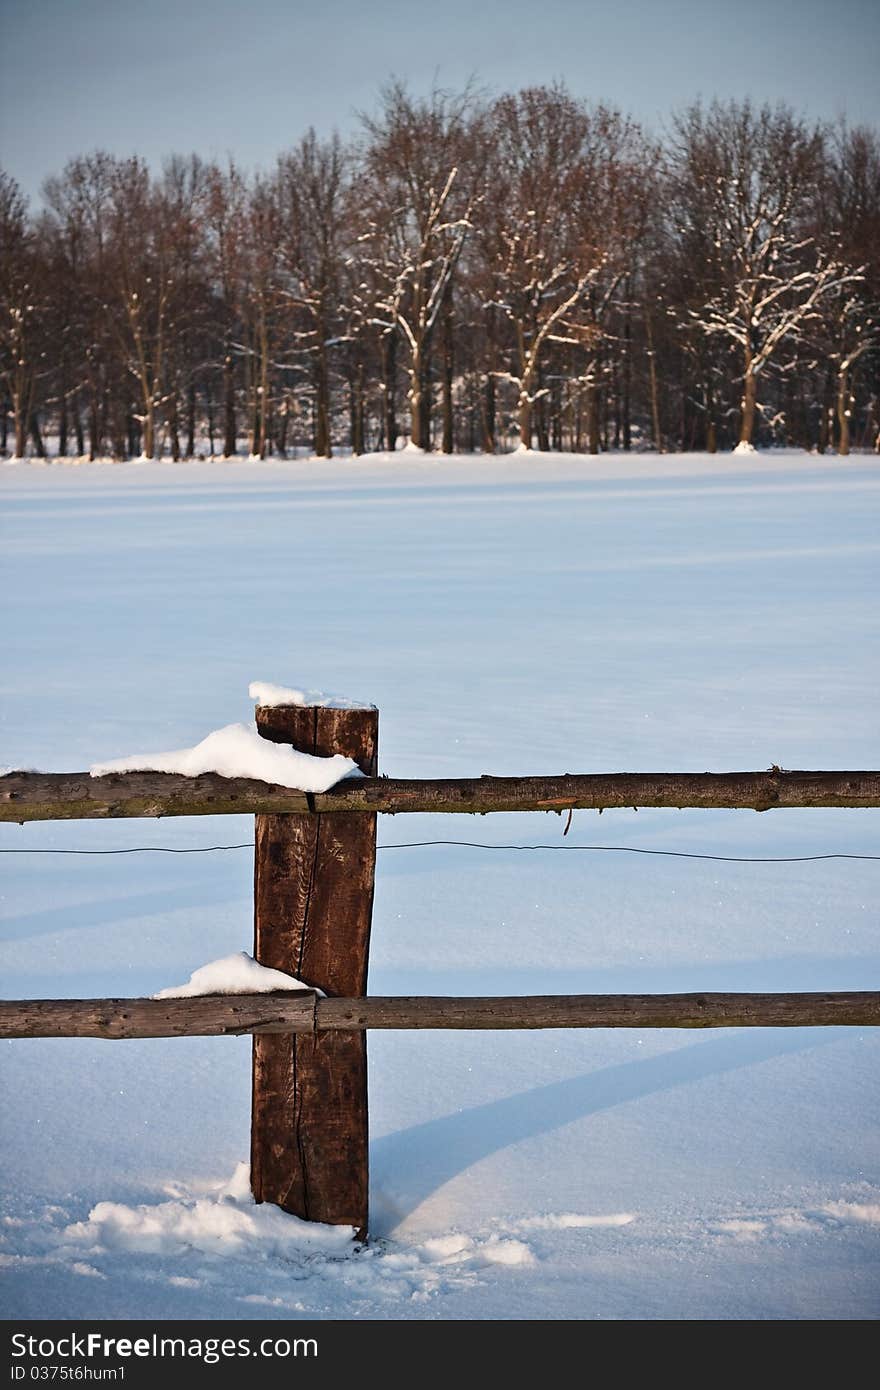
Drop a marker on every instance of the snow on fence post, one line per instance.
(313, 903)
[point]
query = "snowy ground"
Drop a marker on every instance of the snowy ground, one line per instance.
(521, 615)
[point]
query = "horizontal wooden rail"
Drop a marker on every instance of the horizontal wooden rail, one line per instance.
(30, 796)
(219, 1015)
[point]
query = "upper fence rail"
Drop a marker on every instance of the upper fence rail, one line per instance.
(32, 796)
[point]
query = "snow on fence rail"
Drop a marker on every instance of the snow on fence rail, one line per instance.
(313, 892)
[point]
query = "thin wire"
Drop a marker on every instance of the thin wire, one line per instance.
(634, 849)
(136, 849)
(477, 844)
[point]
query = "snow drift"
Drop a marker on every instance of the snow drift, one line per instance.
(239, 751)
(235, 974)
(265, 693)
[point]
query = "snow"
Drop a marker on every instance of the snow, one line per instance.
(569, 1220)
(225, 1222)
(238, 751)
(235, 974)
(531, 614)
(264, 693)
(744, 447)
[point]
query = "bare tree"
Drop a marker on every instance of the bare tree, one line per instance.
(849, 211)
(20, 309)
(261, 305)
(180, 204)
(558, 220)
(312, 192)
(535, 269)
(420, 208)
(225, 198)
(78, 223)
(755, 174)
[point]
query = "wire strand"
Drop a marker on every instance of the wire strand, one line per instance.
(478, 844)
(635, 849)
(135, 849)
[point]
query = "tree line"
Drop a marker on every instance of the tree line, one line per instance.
(463, 274)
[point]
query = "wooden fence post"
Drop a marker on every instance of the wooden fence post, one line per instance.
(313, 902)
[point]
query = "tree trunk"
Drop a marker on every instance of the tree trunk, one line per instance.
(525, 421)
(94, 430)
(448, 444)
(174, 428)
(416, 419)
(121, 431)
(802, 428)
(20, 431)
(541, 422)
(488, 414)
(473, 412)
(749, 403)
(253, 411)
(281, 438)
(627, 389)
(711, 427)
(684, 414)
(229, 430)
(593, 418)
(415, 411)
(323, 446)
(356, 388)
(102, 417)
(389, 391)
(36, 436)
(264, 388)
(271, 447)
(652, 376)
(191, 421)
(63, 426)
(426, 401)
(556, 416)
(149, 431)
(255, 434)
(826, 415)
(843, 405)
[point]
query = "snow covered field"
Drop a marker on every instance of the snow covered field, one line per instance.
(532, 615)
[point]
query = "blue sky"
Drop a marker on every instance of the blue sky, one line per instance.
(246, 78)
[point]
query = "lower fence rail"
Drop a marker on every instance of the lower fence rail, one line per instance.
(220, 1015)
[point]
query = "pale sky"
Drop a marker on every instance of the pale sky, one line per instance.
(246, 77)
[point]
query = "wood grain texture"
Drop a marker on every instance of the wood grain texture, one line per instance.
(29, 796)
(313, 901)
(227, 1015)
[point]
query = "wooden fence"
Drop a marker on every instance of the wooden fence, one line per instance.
(314, 871)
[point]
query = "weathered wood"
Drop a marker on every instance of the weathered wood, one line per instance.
(604, 1011)
(224, 1015)
(28, 796)
(313, 901)
(210, 1015)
